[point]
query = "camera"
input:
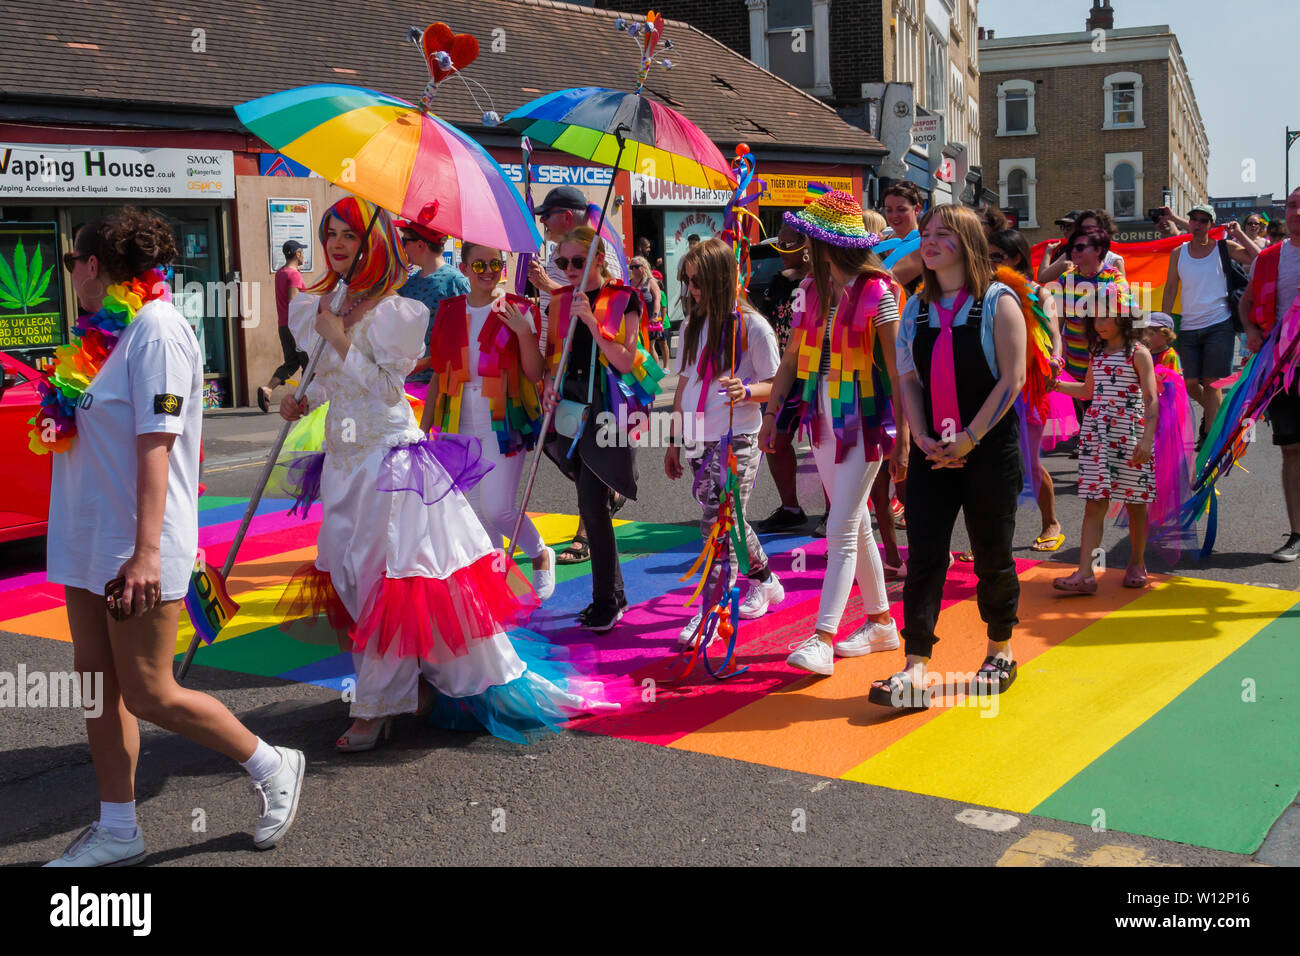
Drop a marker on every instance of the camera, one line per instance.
(1156, 214)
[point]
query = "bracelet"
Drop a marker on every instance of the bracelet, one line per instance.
(773, 414)
(971, 435)
(748, 395)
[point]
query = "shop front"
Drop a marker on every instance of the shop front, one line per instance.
(48, 192)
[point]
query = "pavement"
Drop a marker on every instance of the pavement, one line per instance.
(1145, 730)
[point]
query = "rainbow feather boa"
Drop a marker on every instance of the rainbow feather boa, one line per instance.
(635, 389)
(512, 397)
(77, 363)
(858, 389)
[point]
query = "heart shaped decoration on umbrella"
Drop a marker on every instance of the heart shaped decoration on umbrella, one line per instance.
(461, 48)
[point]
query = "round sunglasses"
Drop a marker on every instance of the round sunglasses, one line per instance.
(564, 262)
(479, 266)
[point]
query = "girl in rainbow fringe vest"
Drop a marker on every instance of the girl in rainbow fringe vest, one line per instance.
(486, 362)
(833, 362)
(726, 362)
(611, 372)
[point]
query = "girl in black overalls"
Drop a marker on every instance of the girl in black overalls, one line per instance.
(966, 457)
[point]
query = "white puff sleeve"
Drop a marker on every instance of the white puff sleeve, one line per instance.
(302, 325)
(397, 329)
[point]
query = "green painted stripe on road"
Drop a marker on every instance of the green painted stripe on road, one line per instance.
(1212, 767)
(266, 653)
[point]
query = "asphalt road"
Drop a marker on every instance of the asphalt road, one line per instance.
(435, 797)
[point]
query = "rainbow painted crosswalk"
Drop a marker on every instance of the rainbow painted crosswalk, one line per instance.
(1170, 712)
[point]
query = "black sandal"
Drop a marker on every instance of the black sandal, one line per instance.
(899, 693)
(1001, 670)
(575, 553)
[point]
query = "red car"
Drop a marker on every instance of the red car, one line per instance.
(24, 477)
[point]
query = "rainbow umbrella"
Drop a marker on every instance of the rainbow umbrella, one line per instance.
(396, 155)
(660, 142)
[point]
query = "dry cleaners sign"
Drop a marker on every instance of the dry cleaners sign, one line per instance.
(103, 172)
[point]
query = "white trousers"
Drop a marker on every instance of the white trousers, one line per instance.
(850, 546)
(493, 499)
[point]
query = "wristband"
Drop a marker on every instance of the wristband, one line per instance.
(748, 395)
(971, 435)
(773, 414)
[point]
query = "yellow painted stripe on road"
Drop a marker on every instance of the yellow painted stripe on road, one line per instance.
(1074, 702)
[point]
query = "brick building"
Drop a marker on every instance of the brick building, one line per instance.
(1104, 118)
(833, 48)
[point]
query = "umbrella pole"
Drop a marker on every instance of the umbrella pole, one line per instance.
(564, 352)
(339, 296)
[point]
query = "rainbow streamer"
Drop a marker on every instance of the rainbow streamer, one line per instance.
(208, 603)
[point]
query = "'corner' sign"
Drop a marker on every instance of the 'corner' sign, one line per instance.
(114, 172)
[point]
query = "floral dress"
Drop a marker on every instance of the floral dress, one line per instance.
(1112, 428)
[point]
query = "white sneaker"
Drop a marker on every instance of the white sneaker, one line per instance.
(760, 596)
(544, 580)
(687, 636)
(868, 639)
(277, 799)
(813, 655)
(95, 846)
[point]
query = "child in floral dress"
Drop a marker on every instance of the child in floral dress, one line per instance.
(1116, 442)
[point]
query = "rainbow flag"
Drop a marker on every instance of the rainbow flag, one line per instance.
(1146, 266)
(209, 605)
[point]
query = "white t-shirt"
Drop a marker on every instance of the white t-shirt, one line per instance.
(758, 363)
(152, 382)
(478, 316)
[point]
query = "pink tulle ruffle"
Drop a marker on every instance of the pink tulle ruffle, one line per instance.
(1062, 423)
(437, 619)
(308, 597)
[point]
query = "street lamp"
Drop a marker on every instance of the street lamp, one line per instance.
(1291, 136)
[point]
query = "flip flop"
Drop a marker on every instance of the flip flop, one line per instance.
(966, 557)
(899, 693)
(1076, 585)
(1044, 543)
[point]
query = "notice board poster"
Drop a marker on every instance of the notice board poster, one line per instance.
(290, 219)
(31, 288)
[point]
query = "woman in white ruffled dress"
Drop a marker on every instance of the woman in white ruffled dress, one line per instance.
(402, 562)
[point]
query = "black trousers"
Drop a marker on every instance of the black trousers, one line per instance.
(987, 488)
(294, 357)
(593, 506)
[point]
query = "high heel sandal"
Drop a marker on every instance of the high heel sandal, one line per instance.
(352, 743)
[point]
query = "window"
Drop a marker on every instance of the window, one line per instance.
(907, 39)
(1124, 193)
(792, 39)
(1124, 185)
(936, 70)
(1123, 101)
(973, 131)
(1018, 188)
(1016, 108)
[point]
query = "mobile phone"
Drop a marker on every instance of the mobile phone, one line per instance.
(113, 598)
(1156, 214)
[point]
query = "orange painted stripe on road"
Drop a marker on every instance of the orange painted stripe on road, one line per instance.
(825, 726)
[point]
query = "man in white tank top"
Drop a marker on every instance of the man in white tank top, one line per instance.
(1205, 338)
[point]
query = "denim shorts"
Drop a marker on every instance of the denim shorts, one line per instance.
(1206, 353)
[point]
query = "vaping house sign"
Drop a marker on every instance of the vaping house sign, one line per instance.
(114, 172)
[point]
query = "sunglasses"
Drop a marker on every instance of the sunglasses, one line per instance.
(70, 260)
(1081, 246)
(789, 250)
(478, 266)
(997, 257)
(694, 282)
(564, 262)
(1200, 220)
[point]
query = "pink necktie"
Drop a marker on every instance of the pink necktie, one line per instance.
(943, 375)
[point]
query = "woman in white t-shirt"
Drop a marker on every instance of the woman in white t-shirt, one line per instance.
(486, 363)
(711, 400)
(848, 310)
(124, 513)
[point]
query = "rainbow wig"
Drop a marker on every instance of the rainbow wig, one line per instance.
(384, 266)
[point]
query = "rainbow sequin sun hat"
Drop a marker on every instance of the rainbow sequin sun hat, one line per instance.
(834, 217)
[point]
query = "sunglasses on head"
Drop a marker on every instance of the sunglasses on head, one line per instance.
(70, 260)
(564, 262)
(479, 266)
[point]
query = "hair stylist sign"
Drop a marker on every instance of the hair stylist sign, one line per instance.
(117, 172)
